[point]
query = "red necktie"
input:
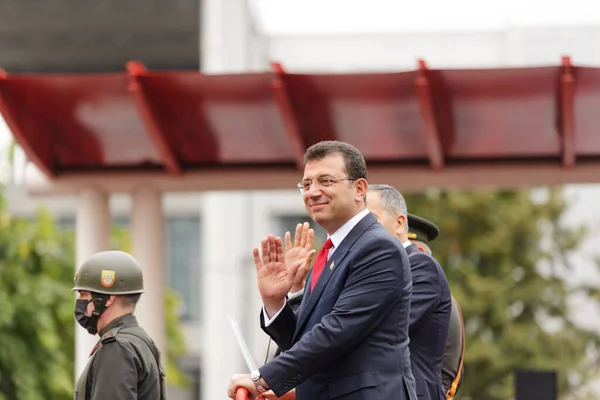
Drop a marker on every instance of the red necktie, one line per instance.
(320, 262)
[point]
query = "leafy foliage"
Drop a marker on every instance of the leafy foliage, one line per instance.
(36, 322)
(176, 347)
(504, 253)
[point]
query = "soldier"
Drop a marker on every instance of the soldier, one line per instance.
(125, 363)
(421, 232)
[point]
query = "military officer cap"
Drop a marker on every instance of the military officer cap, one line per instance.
(421, 229)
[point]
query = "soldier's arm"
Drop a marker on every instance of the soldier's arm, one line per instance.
(115, 372)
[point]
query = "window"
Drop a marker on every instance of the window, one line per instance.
(65, 223)
(183, 262)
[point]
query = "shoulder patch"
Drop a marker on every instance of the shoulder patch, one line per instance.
(108, 338)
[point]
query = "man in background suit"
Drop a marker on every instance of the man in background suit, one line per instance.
(421, 232)
(350, 337)
(430, 301)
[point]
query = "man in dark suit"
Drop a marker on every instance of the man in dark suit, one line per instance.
(430, 301)
(421, 232)
(349, 339)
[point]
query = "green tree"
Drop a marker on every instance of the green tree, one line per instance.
(505, 253)
(36, 318)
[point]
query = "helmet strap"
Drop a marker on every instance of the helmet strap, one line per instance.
(99, 300)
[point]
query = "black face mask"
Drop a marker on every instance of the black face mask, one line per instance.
(82, 318)
(90, 323)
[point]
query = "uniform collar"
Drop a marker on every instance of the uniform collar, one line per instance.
(123, 321)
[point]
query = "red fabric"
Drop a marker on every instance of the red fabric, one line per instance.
(320, 262)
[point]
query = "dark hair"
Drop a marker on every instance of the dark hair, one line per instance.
(356, 167)
(130, 300)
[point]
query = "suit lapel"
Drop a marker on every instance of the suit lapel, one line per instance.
(334, 263)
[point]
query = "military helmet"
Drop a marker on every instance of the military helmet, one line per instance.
(110, 272)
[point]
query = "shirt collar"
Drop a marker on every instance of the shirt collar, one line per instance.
(345, 229)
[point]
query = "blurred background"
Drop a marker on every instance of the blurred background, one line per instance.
(179, 159)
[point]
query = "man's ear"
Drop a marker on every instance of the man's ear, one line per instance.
(111, 300)
(400, 224)
(361, 189)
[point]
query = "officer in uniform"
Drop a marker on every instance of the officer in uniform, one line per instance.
(421, 232)
(125, 363)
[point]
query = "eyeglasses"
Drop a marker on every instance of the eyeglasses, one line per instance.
(325, 181)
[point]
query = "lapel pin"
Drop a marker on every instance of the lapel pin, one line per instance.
(332, 265)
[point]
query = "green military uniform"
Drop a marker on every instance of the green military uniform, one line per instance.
(425, 231)
(453, 356)
(125, 363)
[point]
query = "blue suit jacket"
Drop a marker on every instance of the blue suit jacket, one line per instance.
(430, 309)
(349, 339)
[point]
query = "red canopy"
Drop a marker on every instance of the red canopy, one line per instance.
(187, 121)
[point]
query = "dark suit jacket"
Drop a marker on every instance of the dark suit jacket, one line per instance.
(295, 304)
(350, 337)
(429, 321)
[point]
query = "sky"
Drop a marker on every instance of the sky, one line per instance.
(379, 16)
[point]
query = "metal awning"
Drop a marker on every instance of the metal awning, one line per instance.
(178, 123)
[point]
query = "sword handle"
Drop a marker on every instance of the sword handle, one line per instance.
(241, 394)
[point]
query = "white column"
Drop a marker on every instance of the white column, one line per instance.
(92, 236)
(227, 277)
(232, 224)
(230, 40)
(148, 247)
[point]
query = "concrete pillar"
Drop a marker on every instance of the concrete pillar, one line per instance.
(92, 236)
(232, 224)
(227, 276)
(148, 247)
